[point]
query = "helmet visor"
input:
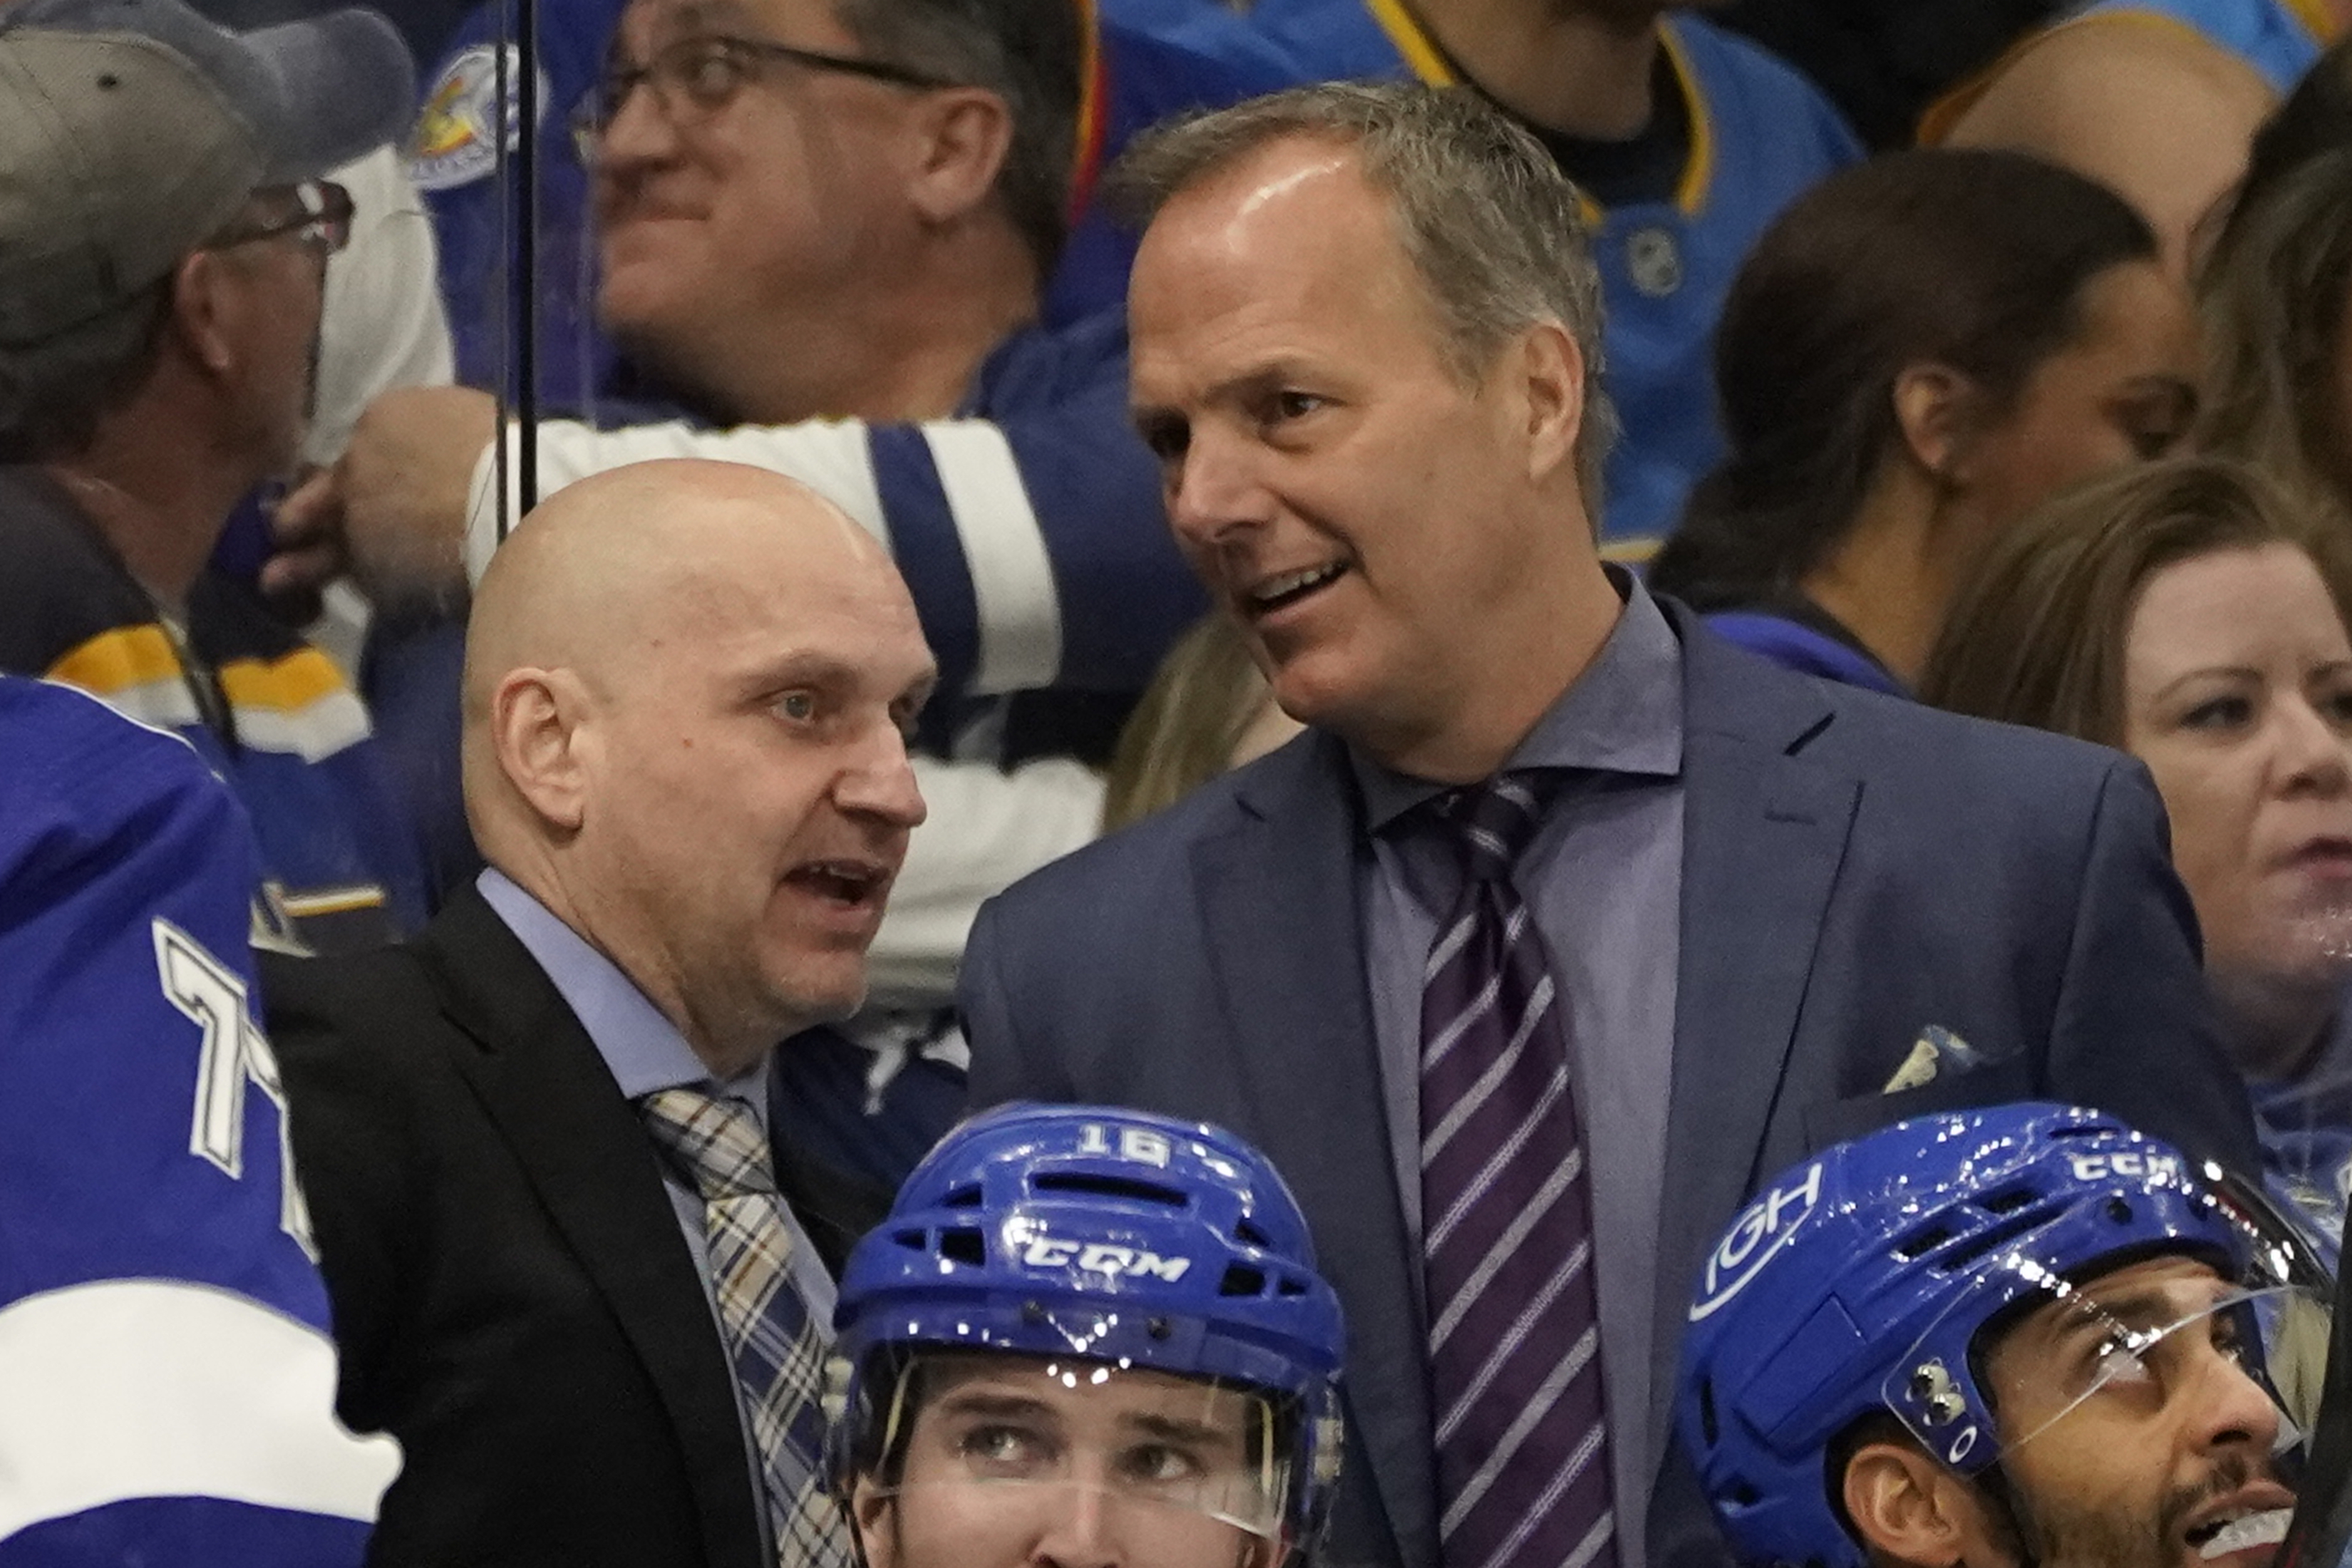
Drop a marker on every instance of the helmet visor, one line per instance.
(2044, 1340)
(1018, 1452)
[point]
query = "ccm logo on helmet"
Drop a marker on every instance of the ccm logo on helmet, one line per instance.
(1754, 1237)
(2162, 1168)
(1102, 1258)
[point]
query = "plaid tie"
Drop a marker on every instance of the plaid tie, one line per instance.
(1515, 1329)
(777, 1350)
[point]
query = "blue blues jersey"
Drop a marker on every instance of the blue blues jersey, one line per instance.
(166, 1375)
(1760, 134)
(269, 713)
(1135, 77)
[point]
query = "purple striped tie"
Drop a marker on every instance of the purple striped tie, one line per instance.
(1515, 1330)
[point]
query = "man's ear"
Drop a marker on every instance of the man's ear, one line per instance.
(202, 308)
(870, 1517)
(537, 730)
(966, 133)
(1908, 1508)
(1550, 372)
(1936, 408)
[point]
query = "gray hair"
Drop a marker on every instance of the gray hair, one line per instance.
(1031, 54)
(54, 392)
(1498, 236)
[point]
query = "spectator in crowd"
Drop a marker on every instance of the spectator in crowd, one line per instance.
(1208, 710)
(1138, 75)
(2158, 100)
(1088, 1335)
(571, 1271)
(841, 264)
(163, 1335)
(1683, 142)
(157, 369)
(2273, 289)
(1917, 351)
(2021, 1335)
(2192, 613)
(1364, 324)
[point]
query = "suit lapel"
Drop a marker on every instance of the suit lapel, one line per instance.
(1763, 834)
(548, 1091)
(1279, 904)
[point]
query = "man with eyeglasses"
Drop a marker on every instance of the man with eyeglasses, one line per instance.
(164, 235)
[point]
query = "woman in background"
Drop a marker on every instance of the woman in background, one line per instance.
(1917, 351)
(2273, 291)
(1207, 709)
(2194, 614)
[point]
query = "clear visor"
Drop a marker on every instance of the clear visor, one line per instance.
(1151, 1468)
(2248, 1348)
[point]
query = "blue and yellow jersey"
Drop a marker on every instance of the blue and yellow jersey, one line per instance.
(2280, 39)
(1760, 134)
(164, 1332)
(270, 713)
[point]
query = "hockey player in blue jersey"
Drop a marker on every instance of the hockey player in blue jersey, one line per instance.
(167, 1378)
(1685, 140)
(2020, 1335)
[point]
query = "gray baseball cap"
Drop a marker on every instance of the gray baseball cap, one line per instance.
(131, 131)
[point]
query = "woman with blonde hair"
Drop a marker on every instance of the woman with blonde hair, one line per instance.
(2193, 614)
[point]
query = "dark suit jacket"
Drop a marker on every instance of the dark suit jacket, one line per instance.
(1854, 867)
(512, 1297)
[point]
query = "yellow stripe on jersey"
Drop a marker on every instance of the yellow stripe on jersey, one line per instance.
(2316, 19)
(1422, 56)
(1630, 552)
(294, 681)
(331, 902)
(1698, 172)
(116, 660)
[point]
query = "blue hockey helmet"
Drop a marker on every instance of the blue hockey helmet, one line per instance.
(1862, 1281)
(1116, 1238)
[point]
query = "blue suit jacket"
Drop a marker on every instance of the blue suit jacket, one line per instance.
(1854, 867)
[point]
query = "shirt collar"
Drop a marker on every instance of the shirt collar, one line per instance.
(641, 1047)
(1622, 715)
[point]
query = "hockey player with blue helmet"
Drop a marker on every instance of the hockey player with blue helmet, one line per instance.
(2027, 1335)
(1086, 1334)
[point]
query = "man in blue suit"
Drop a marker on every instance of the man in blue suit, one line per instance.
(1564, 920)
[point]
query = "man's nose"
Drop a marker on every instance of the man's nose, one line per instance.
(1216, 489)
(881, 782)
(2233, 1409)
(1080, 1532)
(638, 133)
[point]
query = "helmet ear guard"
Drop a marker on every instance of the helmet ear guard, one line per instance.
(1129, 1240)
(1871, 1280)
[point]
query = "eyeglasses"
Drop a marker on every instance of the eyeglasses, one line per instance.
(694, 78)
(318, 212)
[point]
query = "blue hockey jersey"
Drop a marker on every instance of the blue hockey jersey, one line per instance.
(166, 1375)
(1760, 134)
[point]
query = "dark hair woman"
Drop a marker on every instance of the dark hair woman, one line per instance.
(1918, 351)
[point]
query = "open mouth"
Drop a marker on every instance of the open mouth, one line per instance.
(1288, 588)
(847, 883)
(2240, 1532)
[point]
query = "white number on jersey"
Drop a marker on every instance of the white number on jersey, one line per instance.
(234, 1052)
